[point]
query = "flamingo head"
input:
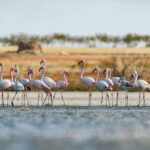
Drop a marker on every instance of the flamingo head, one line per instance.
(66, 73)
(43, 62)
(1, 64)
(12, 69)
(95, 70)
(16, 69)
(105, 71)
(29, 71)
(42, 68)
(81, 62)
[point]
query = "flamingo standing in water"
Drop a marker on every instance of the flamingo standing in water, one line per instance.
(125, 85)
(102, 85)
(48, 81)
(61, 84)
(38, 85)
(18, 86)
(141, 85)
(5, 83)
(88, 81)
(107, 73)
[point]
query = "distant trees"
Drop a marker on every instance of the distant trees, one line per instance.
(61, 39)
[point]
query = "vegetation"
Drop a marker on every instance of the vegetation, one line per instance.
(62, 39)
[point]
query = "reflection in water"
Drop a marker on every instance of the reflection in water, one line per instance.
(74, 127)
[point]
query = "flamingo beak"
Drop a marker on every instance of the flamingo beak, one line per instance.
(42, 62)
(67, 73)
(94, 70)
(40, 69)
(81, 61)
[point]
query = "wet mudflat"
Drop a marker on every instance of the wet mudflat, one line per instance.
(75, 126)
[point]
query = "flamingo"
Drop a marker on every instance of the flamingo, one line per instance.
(88, 81)
(125, 85)
(141, 85)
(116, 81)
(61, 84)
(18, 86)
(5, 83)
(102, 85)
(107, 73)
(48, 81)
(38, 84)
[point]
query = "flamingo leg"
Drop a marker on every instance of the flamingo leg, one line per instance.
(139, 98)
(102, 98)
(45, 99)
(12, 102)
(107, 98)
(38, 98)
(112, 98)
(62, 97)
(90, 96)
(144, 103)
(7, 98)
(54, 95)
(117, 97)
(3, 98)
(26, 97)
(41, 97)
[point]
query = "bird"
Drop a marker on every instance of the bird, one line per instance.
(38, 85)
(88, 81)
(107, 73)
(5, 83)
(125, 85)
(102, 85)
(61, 84)
(116, 81)
(18, 86)
(141, 85)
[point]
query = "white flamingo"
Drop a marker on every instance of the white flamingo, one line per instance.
(141, 85)
(38, 85)
(125, 85)
(88, 81)
(5, 83)
(48, 81)
(61, 84)
(17, 87)
(116, 81)
(102, 85)
(107, 73)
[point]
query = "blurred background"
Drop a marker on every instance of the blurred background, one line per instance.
(106, 33)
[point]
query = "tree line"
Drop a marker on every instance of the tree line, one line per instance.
(65, 38)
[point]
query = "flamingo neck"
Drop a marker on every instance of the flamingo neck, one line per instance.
(65, 78)
(1, 73)
(42, 74)
(82, 71)
(107, 74)
(16, 75)
(11, 76)
(97, 75)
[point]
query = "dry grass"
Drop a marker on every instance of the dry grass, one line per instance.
(60, 59)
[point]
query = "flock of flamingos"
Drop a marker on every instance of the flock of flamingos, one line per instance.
(46, 84)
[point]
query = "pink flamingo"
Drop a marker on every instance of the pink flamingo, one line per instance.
(141, 85)
(88, 81)
(38, 85)
(61, 84)
(107, 73)
(102, 85)
(48, 81)
(5, 83)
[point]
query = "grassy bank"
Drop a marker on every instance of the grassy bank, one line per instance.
(59, 59)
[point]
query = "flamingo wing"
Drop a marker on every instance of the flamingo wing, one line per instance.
(88, 81)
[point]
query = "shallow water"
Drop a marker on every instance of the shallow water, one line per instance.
(74, 127)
